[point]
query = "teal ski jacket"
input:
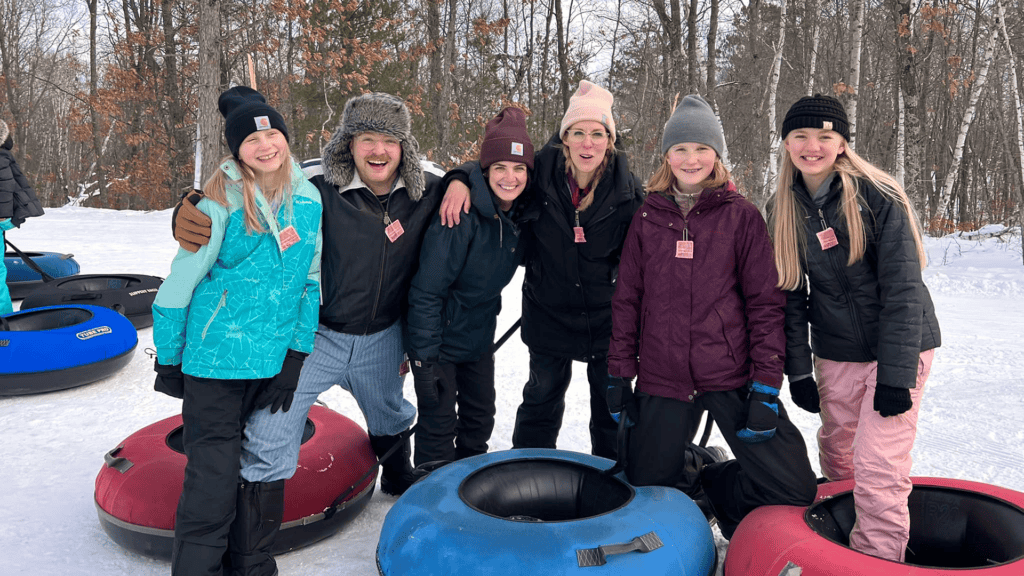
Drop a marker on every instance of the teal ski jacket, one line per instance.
(233, 309)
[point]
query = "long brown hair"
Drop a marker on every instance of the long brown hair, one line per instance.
(276, 187)
(785, 221)
(663, 179)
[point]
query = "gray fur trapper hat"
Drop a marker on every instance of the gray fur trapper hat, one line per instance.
(5, 132)
(374, 112)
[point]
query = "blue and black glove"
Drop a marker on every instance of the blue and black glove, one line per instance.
(762, 414)
(279, 393)
(620, 399)
(890, 401)
(804, 392)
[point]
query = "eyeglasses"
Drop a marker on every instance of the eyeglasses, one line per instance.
(578, 136)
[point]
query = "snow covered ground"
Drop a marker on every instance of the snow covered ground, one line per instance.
(53, 444)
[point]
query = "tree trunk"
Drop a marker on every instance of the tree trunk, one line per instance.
(1018, 110)
(965, 125)
(773, 87)
(209, 89)
(94, 117)
(563, 55)
(855, 52)
(813, 11)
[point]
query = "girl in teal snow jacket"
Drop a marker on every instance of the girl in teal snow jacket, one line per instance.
(232, 324)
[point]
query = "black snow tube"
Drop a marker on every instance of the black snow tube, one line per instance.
(131, 295)
(22, 279)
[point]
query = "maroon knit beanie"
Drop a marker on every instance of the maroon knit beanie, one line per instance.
(505, 139)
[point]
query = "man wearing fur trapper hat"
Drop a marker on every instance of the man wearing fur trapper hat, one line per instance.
(378, 197)
(17, 202)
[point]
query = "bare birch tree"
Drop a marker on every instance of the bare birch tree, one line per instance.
(856, 40)
(1018, 110)
(773, 88)
(946, 193)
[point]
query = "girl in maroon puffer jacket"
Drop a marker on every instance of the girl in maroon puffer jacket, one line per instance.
(698, 320)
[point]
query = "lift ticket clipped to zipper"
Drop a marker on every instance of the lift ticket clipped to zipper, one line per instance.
(827, 237)
(577, 231)
(394, 228)
(684, 247)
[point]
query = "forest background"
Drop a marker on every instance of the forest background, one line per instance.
(107, 98)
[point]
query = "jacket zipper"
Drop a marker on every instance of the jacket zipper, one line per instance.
(847, 290)
(383, 255)
(223, 299)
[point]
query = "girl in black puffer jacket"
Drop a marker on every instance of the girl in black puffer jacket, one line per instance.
(17, 202)
(849, 254)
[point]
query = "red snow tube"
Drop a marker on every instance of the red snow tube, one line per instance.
(138, 487)
(957, 527)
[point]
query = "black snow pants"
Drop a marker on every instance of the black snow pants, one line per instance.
(776, 471)
(462, 422)
(539, 417)
(213, 413)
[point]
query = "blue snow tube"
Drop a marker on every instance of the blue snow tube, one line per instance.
(60, 347)
(539, 511)
(22, 279)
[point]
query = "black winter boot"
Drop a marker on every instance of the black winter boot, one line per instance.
(397, 472)
(258, 514)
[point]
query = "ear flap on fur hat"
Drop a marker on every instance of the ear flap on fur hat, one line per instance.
(5, 132)
(384, 114)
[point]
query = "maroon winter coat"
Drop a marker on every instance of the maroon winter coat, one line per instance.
(714, 322)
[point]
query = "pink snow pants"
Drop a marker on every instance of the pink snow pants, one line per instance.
(856, 442)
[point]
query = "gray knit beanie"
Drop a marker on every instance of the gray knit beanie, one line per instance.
(384, 114)
(694, 121)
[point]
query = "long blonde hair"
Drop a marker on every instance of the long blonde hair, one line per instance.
(663, 179)
(786, 217)
(276, 187)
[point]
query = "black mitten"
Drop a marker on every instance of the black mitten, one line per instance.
(620, 399)
(280, 391)
(169, 380)
(890, 401)
(804, 393)
(425, 383)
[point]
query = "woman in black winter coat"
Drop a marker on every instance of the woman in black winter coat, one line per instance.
(17, 202)
(585, 200)
(455, 297)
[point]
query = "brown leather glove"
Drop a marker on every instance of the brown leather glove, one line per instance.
(190, 226)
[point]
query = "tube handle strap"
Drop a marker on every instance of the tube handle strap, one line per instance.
(120, 464)
(599, 556)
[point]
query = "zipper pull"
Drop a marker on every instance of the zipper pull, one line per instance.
(577, 218)
(821, 215)
(387, 219)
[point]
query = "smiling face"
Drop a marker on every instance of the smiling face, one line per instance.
(814, 152)
(507, 181)
(264, 151)
(692, 164)
(587, 142)
(377, 157)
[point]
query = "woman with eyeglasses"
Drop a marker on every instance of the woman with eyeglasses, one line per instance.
(585, 197)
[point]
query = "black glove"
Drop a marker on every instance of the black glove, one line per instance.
(169, 380)
(804, 393)
(280, 391)
(190, 226)
(425, 382)
(891, 401)
(762, 414)
(620, 399)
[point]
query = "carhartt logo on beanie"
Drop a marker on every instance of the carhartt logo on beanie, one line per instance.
(506, 139)
(817, 111)
(589, 102)
(693, 121)
(246, 111)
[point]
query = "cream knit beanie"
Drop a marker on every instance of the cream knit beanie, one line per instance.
(589, 102)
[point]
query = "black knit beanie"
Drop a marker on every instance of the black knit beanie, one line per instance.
(246, 111)
(817, 111)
